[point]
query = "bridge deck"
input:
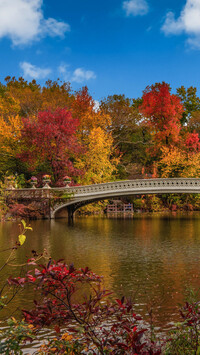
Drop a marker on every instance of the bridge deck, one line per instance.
(81, 195)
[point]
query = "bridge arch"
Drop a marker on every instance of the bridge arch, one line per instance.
(83, 195)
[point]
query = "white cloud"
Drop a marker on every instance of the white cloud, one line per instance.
(96, 105)
(31, 71)
(135, 7)
(79, 75)
(54, 28)
(23, 22)
(194, 42)
(64, 72)
(188, 22)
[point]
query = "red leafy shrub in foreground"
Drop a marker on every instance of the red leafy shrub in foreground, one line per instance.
(77, 300)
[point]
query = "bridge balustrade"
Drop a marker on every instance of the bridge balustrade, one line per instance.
(82, 195)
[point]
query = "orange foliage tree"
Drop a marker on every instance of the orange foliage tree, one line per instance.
(33, 98)
(83, 108)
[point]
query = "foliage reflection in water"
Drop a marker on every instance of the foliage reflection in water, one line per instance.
(153, 259)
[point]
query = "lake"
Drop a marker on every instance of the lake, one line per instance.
(152, 258)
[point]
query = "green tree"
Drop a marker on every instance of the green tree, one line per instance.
(190, 101)
(129, 133)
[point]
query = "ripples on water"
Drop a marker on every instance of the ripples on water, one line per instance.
(153, 259)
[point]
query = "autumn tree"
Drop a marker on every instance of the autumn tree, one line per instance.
(192, 143)
(49, 143)
(162, 112)
(9, 105)
(175, 162)
(27, 94)
(98, 163)
(56, 94)
(33, 98)
(10, 135)
(122, 113)
(83, 102)
(89, 117)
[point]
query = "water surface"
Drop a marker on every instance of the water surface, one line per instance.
(153, 259)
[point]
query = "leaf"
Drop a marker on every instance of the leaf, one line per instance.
(22, 238)
(57, 329)
(24, 223)
(119, 302)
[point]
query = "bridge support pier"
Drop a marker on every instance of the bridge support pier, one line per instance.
(70, 211)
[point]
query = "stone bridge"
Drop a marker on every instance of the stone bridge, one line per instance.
(72, 198)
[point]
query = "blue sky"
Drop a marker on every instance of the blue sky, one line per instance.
(112, 46)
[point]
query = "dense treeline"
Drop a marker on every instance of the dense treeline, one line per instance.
(52, 130)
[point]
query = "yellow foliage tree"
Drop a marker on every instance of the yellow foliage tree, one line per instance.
(9, 106)
(10, 133)
(91, 119)
(175, 162)
(97, 162)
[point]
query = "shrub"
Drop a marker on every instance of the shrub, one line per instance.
(75, 299)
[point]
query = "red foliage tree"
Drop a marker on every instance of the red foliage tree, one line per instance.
(50, 143)
(192, 142)
(163, 112)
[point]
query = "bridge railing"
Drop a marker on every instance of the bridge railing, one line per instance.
(175, 185)
(139, 184)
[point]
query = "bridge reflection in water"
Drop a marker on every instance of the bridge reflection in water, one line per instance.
(79, 196)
